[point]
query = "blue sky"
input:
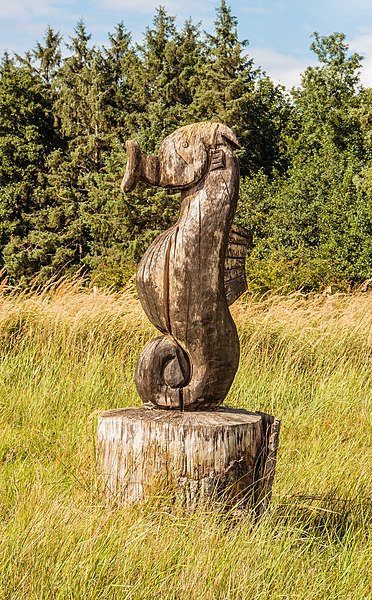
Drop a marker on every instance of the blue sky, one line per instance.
(278, 30)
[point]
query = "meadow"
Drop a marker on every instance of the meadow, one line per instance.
(69, 352)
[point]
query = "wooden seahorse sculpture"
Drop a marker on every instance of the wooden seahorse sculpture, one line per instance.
(193, 271)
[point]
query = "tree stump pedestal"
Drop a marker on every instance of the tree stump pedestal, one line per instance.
(226, 455)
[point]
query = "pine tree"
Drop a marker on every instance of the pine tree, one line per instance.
(60, 230)
(232, 91)
(48, 55)
(27, 137)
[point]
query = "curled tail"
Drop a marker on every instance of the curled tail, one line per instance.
(163, 369)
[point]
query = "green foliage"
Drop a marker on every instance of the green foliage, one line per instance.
(233, 91)
(48, 56)
(305, 161)
(313, 226)
(26, 139)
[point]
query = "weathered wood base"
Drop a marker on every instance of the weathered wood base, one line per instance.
(227, 454)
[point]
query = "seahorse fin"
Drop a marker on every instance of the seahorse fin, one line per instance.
(240, 239)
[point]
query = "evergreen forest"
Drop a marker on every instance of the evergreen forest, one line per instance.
(67, 107)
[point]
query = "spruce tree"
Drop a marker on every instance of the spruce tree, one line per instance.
(27, 137)
(159, 61)
(227, 74)
(124, 99)
(232, 91)
(192, 55)
(61, 231)
(48, 55)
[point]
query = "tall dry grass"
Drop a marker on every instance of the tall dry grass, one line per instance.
(68, 352)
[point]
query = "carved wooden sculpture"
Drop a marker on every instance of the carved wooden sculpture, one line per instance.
(186, 281)
(193, 271)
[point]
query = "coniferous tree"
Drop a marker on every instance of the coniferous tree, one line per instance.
(27, 137)
(158, 80)
(306, 190)
(48, 55)
(124, 98)
(228, 73)
(191, 56)
(232, 91)
(61, 235)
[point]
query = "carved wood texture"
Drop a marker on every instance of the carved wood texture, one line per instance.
(199, 455)
(192, 272)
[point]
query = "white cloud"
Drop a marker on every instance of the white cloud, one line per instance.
(255, 10)
(356, 5)
(173, 7)
(21, 9)
(362, 44)
(24, 9)
(282, 68)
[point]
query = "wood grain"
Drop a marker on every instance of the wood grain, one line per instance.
(192, 272)
(200, 455)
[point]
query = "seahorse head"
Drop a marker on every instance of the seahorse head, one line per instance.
(183, 157)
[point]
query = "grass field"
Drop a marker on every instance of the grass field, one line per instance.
(68, 353)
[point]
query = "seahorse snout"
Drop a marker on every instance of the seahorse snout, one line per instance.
(182, 159)
(140, 167)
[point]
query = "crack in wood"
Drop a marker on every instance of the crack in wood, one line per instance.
(185, 281)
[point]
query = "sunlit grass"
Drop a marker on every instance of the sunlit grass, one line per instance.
(68, 352)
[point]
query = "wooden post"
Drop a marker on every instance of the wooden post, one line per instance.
(227, 455)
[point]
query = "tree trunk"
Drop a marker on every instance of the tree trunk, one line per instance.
(226, 455)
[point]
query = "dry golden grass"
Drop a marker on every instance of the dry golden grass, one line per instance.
(68, 352)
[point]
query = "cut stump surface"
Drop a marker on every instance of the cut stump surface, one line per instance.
(226, 454)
